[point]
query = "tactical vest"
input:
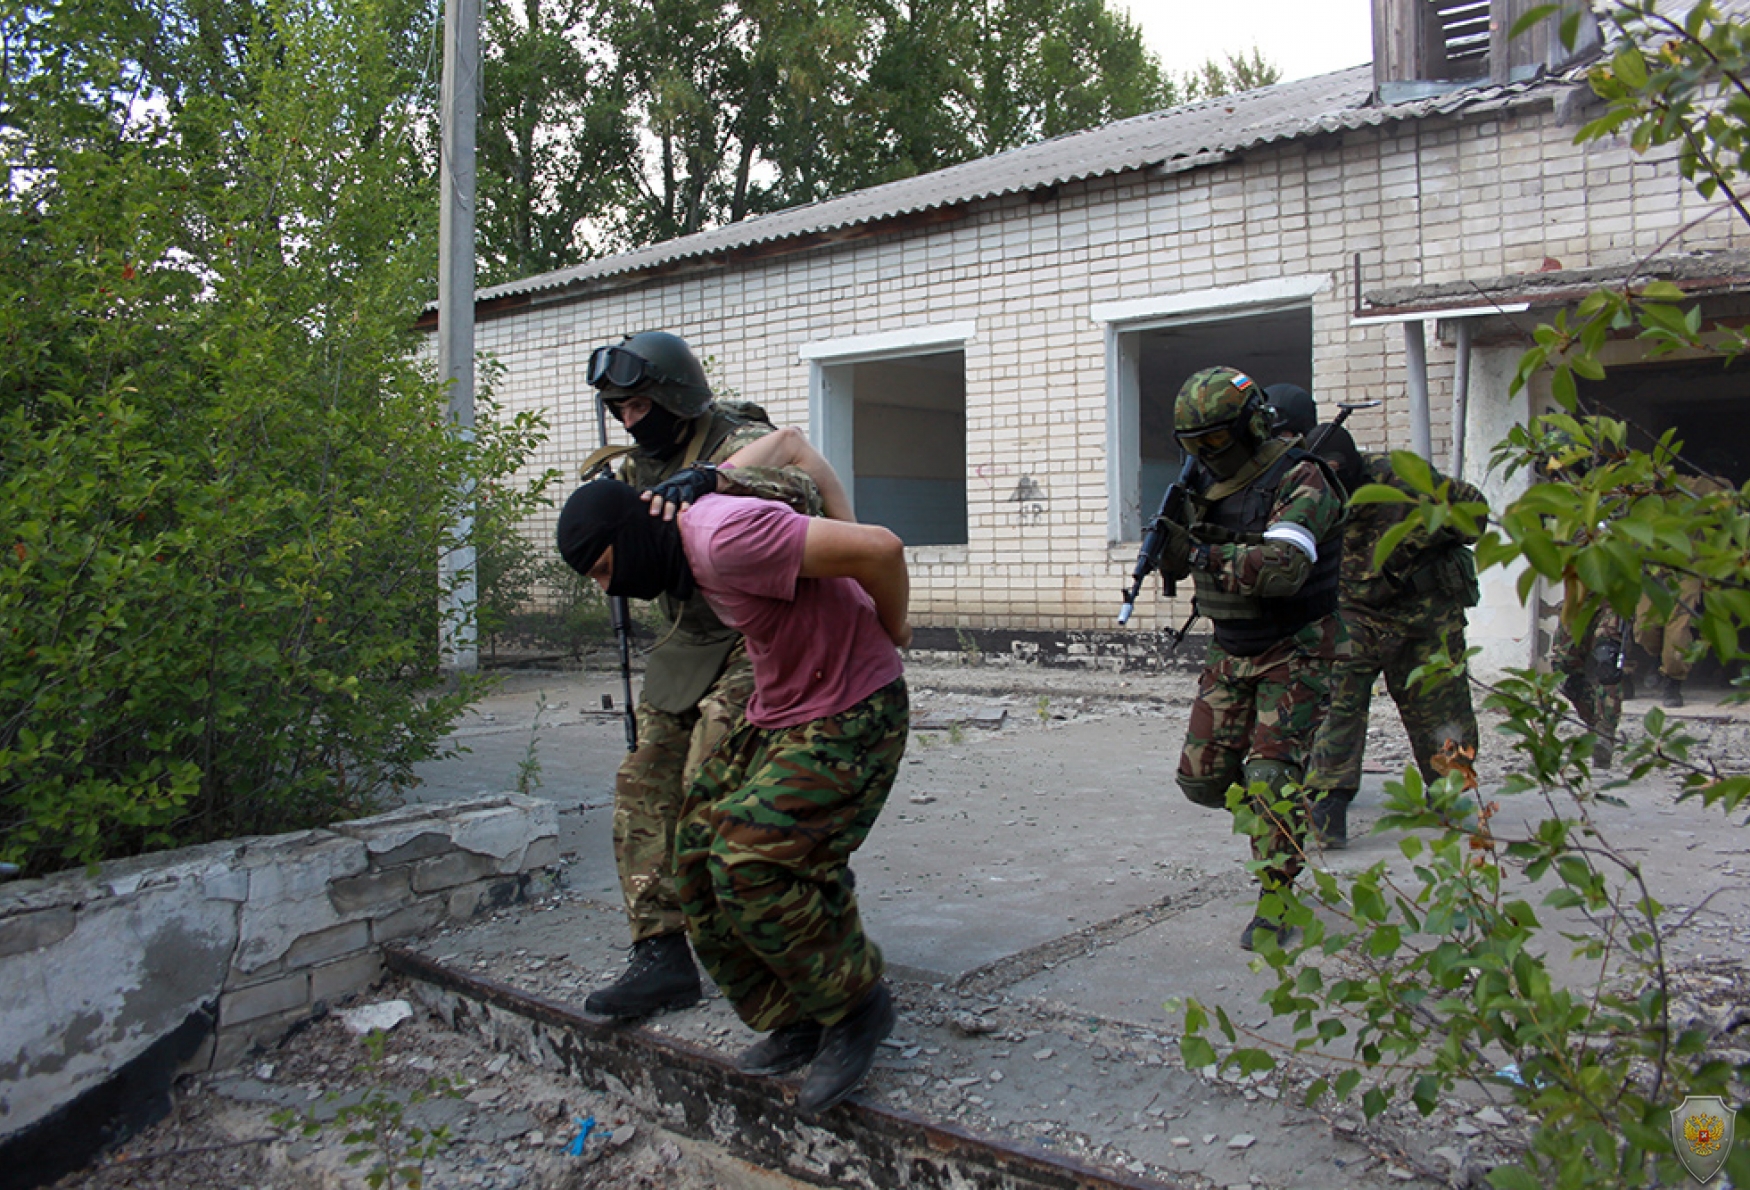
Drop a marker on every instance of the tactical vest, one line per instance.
(1246, 625)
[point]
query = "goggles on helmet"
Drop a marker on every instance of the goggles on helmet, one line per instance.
(620, 368)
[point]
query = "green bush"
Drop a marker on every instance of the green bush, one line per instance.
(226, 482)
(575, 615)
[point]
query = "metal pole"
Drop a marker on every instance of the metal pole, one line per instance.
(1416, 363)
(461, 87)
(1460, 397)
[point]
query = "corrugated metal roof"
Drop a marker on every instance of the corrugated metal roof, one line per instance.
(1696, 273)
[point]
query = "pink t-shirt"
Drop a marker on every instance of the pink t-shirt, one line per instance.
(816, 644)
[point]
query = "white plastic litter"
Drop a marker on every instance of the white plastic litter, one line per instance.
(384, 1015)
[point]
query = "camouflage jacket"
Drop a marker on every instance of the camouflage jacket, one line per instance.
(695, 643)
(1423, 578)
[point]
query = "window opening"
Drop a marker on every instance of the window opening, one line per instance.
(1273, 347)
(895, 429)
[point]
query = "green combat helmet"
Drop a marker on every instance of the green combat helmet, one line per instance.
(653, 364)
(1220, 417)
(661, 367)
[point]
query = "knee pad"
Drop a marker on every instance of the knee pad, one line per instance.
(1276, 775)
(1206, 791)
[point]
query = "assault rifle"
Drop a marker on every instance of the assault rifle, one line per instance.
(622, 614)
(618, 608)
(1318, 436)
(1148, 559)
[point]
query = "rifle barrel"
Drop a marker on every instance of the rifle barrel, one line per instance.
(622, 615)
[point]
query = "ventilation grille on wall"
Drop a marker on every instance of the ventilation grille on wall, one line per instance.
(1464, 26)
(1426, 47)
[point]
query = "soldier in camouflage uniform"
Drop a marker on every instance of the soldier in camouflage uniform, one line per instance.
(1591, 665)
(697, 679)
(1263, 551)
(778, 808)
(1399, 616)
(1668, 640)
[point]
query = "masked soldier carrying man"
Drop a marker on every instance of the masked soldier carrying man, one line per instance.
(1398, 616)
(697, 680)
(1264, 552)
(777, 809)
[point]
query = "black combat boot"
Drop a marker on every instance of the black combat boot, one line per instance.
(1673, 696)
(1329, 819)
(782, 1050)
(660, 977)
(847, 1051)
(1261, 927)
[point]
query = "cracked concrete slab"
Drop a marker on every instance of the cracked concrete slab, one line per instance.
(1046, 877)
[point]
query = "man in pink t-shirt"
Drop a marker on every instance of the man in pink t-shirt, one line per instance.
(775, 813)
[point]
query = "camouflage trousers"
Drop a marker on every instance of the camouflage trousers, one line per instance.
(1597, 702)
(1268, 708)
(651, 787)
(761, 854)
(1431, 714)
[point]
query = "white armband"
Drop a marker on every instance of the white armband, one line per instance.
(1295, 535)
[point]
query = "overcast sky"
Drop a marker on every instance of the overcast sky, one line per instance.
(1303, 37)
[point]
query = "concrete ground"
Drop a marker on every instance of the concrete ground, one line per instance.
(1046, 899)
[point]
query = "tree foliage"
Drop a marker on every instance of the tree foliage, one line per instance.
(224, 480)
(553, 139)
(1417, 983)
(1240, 72)
(719, 91)
(608, 125)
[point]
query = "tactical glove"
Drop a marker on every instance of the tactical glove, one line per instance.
(1176, 550)
(687, 485)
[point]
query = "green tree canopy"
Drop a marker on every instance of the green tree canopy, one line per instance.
(609, 124)
(554, 139)
(1240, 72)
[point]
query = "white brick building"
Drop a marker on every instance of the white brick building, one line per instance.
(989, 354)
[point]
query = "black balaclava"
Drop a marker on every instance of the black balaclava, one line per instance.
(661, 432)
(648, 557)
(1294, 408)
(1337, 448)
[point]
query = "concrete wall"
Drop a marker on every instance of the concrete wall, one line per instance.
(229, 944)
(1442, 199)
